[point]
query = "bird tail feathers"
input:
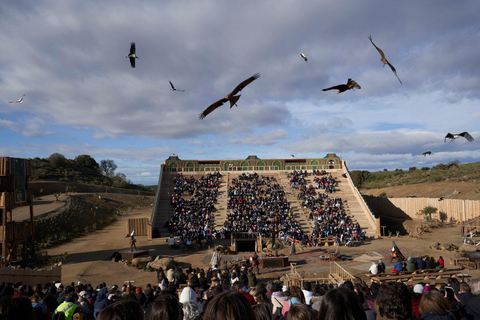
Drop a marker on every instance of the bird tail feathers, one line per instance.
(233, 100)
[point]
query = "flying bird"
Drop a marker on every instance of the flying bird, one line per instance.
(384, 60)
(229, 97)
(132, 56)
(351, 84)
(19, 100)
(304, 56)
(426, 152)
(173, 88)
(293, 156)
(452, 137)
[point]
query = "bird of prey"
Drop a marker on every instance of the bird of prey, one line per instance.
(441, 199)
(304, 56)
(293, 156)
(452, 137)
(19, 100)
(384, 60)
(351, 84)
(132, 56)
(175, 89)
(426, 152)
(229, 97)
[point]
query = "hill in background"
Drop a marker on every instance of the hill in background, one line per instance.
(451, 181)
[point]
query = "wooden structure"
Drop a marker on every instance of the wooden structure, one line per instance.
(336, 276)
(140, 225)
(254, 237)
(31, 276)
(273, 262)
(431, 276)
(16, 237)
(128, 255)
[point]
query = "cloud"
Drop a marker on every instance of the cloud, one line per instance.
(269, 138)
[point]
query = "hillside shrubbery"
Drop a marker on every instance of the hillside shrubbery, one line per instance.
(398, 177)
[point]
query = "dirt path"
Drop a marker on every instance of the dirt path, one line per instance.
(89, 256)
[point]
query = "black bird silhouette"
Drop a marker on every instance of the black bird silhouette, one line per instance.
(132, 55)
(454, 136)
(293, 156)
(351, 84)
(173, 88)
(441, 198)
(426, 152)
(229, 97)
(384, 60)
(303, 56)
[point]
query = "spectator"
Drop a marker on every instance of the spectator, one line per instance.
(301, 312)
(373, 268)
(434, 306)
(262, 312)
(16, 308)
(192, 310)
(464, 294)
(307, 293)
(238, 287)
(410, 264)
(165, 307)
(394, 302)
(381, 266)
(85, 305)
(123, 309)
(230, 305)
(334, 302)
(441, 262)
(421, 263)
(278, 300)
(296, 296)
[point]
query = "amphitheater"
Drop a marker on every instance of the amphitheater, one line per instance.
(353, 202)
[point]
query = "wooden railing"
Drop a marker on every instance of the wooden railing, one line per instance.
(31, 276)
(336, 269)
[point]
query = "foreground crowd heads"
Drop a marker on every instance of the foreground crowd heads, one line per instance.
(271, 301)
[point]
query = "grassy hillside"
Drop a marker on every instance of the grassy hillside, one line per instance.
(468, 172)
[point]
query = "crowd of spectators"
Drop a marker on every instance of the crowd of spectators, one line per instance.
(259, 204)
(244, 299)
(193, 203)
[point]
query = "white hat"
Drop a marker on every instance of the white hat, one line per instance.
(418, 288)
(83, 294)
(58, 284)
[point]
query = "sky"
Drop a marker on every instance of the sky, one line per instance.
(82, 96)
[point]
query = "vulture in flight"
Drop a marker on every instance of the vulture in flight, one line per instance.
(351, 84)
(384, 60)
(452, 137)
(19, 100)
(175, 89)
(229, 97)
(304, 56)
(132, 56)
(426, 152)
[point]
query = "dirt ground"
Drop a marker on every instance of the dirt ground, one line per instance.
(89, 261)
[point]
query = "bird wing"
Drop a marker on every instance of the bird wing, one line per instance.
(244, 84)
(171, 84)
(466, 135)
(132, 48)
(352, 84)
(214, 106)
(378, 49)
(448, 136)
(132, 62)
(394, 71)
(339, 87)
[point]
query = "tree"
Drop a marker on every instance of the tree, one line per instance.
(108, 167)
(120, 180)
(57, 159)
(85, 160)
(427, 212)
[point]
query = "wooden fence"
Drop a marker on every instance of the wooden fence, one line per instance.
(31, 276)
(459, 210)
(140, 225)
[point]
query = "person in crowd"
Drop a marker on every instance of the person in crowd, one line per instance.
(373, 268)
(441, 262)
(381, 266)
(85, 305)
(216, 258)
(252, 279)
(101, 301)
(278, 299)
(262, 312)
(165, 307)
(254, 262)
(393, 302)
(301, 312)
(398, 266)
(334, 302)
(231, 305)
(421, 263)
(127, 309)
(464, 294)
(307, 293)
(434, 306)
(16, 308)
(192, 310)
(417, 293)
(296, 296)
(410, 264)
(69, 307)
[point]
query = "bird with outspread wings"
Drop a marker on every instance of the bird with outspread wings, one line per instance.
(132, 56)
(384, 60)
(18, 101)
(426, 152)
(454, 136)
(229, 97)
(304, 56)
(175, 89)
(351, 84)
